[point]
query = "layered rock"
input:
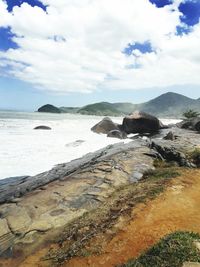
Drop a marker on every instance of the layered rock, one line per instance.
(33, 209)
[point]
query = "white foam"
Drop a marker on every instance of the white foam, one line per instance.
(24, 151)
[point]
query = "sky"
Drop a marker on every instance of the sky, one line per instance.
(72, 52)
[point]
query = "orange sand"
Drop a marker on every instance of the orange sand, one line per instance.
(178, 208)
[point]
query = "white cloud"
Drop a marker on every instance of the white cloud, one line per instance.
(76, 46)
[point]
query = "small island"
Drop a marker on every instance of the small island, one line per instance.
(49, 108)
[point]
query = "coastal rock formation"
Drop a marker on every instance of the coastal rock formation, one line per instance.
(12, 188)
(137, 122)
(49, 108)
(42, 127)
(170, 136)
(169, 153)
(34, 210)
(191, 124)
(141, 122)
(105, 126)
(117, 134)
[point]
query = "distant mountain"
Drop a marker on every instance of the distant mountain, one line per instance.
(101, 109)
(169, 104)
(165, 105)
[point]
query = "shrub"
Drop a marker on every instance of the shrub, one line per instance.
(191, 114)
(172, 250)
(194, 156)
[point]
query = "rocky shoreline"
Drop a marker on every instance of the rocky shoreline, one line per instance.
(34, 210)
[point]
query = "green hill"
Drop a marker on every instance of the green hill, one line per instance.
(165, 105)
(101, 109)
(169, 104)
(69, 109)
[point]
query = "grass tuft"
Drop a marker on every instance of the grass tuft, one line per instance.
(171, 251)
(194, 156)
(163, 170)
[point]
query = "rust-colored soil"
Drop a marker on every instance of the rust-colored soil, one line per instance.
(178, 208)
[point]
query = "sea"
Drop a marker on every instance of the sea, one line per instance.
(25, 151)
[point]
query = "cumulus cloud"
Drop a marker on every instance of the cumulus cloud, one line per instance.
(77, 46)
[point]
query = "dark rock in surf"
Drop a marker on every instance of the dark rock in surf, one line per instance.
(117, 134)
(42, 127)
(190, 124)
(141, 122)
(105, 126)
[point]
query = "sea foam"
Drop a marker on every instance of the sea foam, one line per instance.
(24, 151)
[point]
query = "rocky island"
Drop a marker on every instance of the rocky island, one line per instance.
(49, 109)
(111, 205)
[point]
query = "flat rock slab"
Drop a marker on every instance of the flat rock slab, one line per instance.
(37, 215)
(16, 187)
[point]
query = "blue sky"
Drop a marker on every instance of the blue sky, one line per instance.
(13, 3)
(46, 58)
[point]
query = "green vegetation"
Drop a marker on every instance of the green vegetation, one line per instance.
(189, 114)
(71, 110)
(163, 170)
(194, 156)
(49, 109)
(120, 203)
(171, 251)
(169, 104)
(100, 109)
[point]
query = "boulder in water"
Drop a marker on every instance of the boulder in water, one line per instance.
(105, 126)
(117, 134)
(42, 127)
(141, 122)
(190, 124)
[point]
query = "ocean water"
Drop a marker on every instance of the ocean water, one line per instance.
(24, 151)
